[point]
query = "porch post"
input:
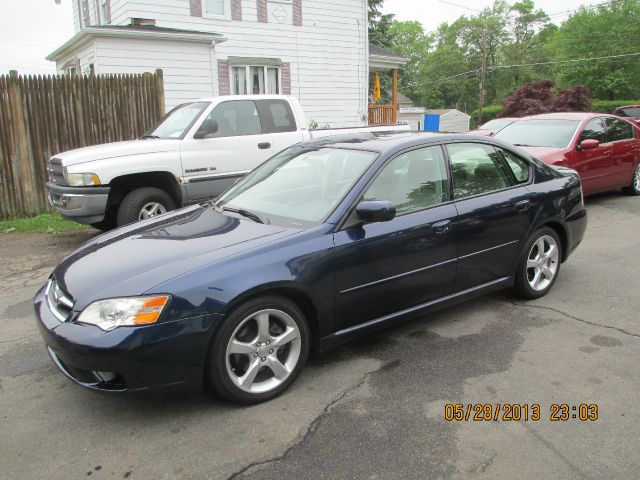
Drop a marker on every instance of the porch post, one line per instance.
(394, 113)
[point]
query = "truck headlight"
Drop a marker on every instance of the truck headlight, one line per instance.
(124, 312)
(81, 179)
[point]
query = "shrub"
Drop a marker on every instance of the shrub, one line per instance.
(488, 113)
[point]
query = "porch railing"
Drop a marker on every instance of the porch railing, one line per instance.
(381, 115)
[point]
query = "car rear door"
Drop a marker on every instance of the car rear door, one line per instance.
(382, 268)
(213, 160)
(625, 151)
(494, 211)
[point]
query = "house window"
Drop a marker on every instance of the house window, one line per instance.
(255, 80)
(83, 8)
(216, 8)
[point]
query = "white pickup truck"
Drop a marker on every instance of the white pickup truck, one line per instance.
(196, 151)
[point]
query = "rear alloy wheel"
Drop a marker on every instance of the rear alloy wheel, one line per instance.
(259, 351)
(634, 188)
(144, 203)
(539, 265)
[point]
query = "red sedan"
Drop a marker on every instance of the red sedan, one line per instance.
(604, 149)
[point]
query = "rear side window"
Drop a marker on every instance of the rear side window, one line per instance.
(594, 130)
(618, 130)
(476, 169)
(277, 116)
(519, 167)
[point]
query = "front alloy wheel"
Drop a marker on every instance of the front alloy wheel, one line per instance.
(259, 350)
(634, 188)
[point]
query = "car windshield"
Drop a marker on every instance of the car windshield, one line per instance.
(300, 186)
(629, 112)
(496, 124)
(539, 133)
(178, 121)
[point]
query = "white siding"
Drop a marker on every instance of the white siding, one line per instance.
(455, 122)
(187, 67)
(328, 54)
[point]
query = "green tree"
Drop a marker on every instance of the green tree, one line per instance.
(379, 24)
(410, 40)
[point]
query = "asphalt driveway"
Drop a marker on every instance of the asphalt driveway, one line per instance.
(372, 409)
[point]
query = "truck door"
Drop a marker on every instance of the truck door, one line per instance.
(229, 143)
(278, 119)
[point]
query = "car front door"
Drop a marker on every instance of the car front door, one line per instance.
(382, 268)
(595, 165)
(625, 151)
(226, 145)
(494, 211)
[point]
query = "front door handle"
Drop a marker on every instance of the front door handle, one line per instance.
(441, 227)
(522, 205)
(264, 145)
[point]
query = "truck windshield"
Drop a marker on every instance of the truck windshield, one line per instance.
(539, 133)
(300, 186)
(178, 121)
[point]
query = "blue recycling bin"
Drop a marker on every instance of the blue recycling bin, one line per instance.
(431, 122)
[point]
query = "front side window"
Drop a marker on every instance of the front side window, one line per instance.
(476, 169)
(618, 130)
(539, 133)
(300, 186)
(232, 119)
(215, 8)
(178, 121)
(255, 80)
(412, 181)
(594, 130)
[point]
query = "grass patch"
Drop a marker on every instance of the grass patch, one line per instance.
(43, 223)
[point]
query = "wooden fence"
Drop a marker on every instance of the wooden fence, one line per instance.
(43, 115)
(381, 115)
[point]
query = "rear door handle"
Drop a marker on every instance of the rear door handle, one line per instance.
(441, 227)
(522, 205)
(264, 145)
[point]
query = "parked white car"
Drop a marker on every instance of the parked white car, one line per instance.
(196, 152)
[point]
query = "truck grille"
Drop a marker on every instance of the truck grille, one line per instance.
(59, 302)
(55, 171)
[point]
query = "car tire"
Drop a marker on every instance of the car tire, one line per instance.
(539, 264)
(137, 202)
(634, 187)
(259, 350)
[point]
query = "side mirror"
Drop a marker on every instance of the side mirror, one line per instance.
(372, 211)
(208, 127)
(589, 144)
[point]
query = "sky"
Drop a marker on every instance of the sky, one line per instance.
(31, 29)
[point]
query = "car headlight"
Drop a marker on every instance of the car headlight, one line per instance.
(124, 312)
(82, 179)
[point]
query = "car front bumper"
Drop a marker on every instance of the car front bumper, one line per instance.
(82, 204)
(166, 356)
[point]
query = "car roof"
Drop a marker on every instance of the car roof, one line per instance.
(386, 141)
(563, 116)
(628, 106)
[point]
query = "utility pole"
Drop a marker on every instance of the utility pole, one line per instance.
(483, 73)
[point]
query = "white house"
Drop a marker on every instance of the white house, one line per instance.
(316, 50)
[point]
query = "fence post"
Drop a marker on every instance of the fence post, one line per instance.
(24, 181)
(160, 92)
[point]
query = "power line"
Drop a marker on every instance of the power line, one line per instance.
(558, 62)
(460, 6)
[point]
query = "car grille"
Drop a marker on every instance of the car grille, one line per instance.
(55, 171)
(59, 302)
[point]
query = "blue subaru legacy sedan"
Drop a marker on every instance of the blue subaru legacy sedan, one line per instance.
(325, 241)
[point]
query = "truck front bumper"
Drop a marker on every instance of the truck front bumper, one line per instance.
(82, 204)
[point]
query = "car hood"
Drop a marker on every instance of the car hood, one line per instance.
(133, 259)
(546, 154)
(117, 149)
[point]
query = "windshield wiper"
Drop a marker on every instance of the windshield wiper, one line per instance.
(244, 213)
(148, 135)
(521, 145)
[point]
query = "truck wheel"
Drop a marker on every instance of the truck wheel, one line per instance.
(144, 203)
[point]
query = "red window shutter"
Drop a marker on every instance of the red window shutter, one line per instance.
(196, 8)
(262, 11)
(286, 78)
(297, 13)
(236, 9)
(224, 82)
